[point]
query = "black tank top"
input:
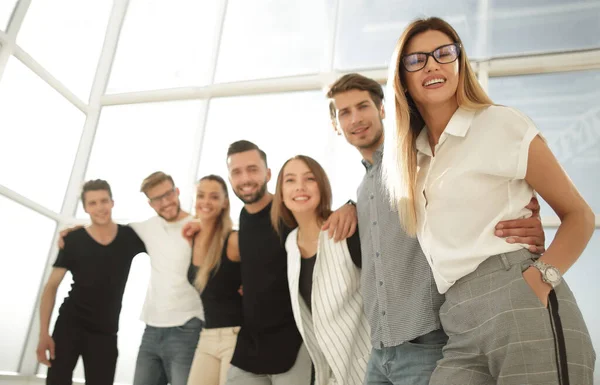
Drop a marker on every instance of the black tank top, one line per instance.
(221, 300)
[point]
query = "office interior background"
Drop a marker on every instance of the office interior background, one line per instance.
(119, 89)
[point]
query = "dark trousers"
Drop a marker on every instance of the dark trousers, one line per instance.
(98, 351)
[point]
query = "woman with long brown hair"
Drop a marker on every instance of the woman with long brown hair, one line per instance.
(455, 164)
(323, 275)
(215, 271)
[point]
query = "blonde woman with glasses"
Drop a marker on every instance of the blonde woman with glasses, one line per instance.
(455, 164)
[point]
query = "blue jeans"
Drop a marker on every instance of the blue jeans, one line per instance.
(166, 354)
(410, 363)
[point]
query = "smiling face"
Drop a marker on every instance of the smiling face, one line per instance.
(248, 176)
(210, 200)
(98, 204)
(164, 199)
(436, 83)
(300, 189)
(359, 119)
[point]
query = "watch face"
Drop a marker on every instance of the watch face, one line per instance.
(552, 275)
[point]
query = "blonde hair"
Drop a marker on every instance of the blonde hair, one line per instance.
(223, 227)
(281, 216)
(400, 154)
(154, 180)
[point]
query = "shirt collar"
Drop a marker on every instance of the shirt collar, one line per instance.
(458, 126)
(377, 157)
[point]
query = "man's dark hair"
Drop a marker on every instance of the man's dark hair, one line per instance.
(95, 185)
(243, 146)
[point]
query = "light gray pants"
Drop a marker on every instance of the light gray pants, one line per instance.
(500, 333)
(299, 374)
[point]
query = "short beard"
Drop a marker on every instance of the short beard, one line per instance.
(373, 143)
(175, 217)
(254, 198)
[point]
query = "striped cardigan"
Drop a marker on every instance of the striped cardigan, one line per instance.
(336, 334)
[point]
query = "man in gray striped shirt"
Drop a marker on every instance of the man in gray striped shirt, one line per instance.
(401, 300)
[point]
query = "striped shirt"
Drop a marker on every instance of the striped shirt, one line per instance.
(400, 296)
(336, 333)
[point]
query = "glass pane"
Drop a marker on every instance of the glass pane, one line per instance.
(20, 275)
(266, 38)
(368, 30)
(585, 285)
(283, 125)
(135, 140)
(566, 110)
(66, 37)
(130, 326)
(517, 27)
(41, 132)
(144, 62)
(6, 9)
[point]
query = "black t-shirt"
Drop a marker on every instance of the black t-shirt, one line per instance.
(307, 268)
(269, 340)
(220, 297)
(99, 276)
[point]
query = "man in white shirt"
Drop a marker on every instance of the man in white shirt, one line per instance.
(172, 310)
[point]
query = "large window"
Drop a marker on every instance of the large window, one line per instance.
(566, 110)
(26, 240)
(148, 34)
(44, 131)
(65, 36)
(368, 30)
(133, 141)
(265, 38)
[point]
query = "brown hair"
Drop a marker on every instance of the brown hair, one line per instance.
(282, 216)
(154, 180)
(95, 185)
(400, 154)
(243, 146)
(354, 81)
(223, 227)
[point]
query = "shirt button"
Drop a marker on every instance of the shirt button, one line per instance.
(372, 196)
(380, 283)
(381, 344)
(377, 254)
(374, 223)
(383, 312)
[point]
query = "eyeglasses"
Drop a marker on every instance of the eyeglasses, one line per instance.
(159, 198)
(445, 54)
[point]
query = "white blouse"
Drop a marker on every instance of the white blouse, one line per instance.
(474, 181)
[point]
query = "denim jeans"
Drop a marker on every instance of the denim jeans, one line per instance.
(410, 363)
(166, 354)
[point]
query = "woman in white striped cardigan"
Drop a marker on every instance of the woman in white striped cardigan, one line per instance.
(324, 276)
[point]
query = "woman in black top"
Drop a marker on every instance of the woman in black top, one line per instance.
(215, 271)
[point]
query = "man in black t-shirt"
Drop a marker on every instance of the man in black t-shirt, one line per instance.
(99, 258)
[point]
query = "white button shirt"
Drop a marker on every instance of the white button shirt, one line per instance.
(475, 180)
(170, 299)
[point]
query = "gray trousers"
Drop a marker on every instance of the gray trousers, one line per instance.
(500, 333)
(299, 374)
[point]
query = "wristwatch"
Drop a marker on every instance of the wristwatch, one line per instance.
(550, 274)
